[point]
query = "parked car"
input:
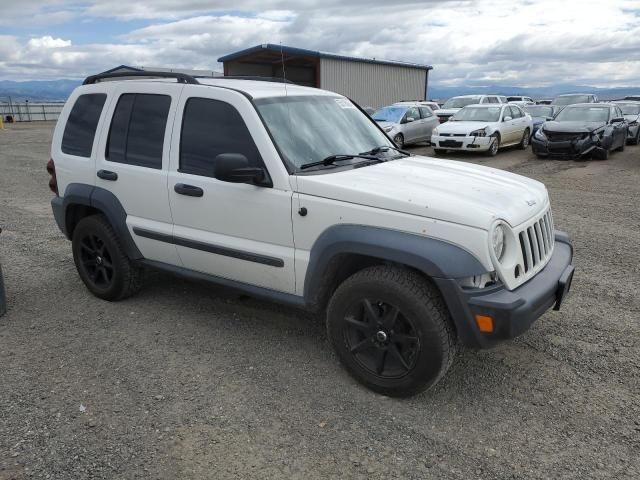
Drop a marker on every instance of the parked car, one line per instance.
(544, 101)
(406, 124)
(580, 130)
(633, 98)
(454, 104)
(539, 114)
(574, 98)
(432, 105)
(294, 195)
(631, 112)
(484, 128)
(519, 98)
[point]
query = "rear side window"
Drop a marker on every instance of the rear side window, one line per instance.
(210, 128)
(425, 112)
(80, 129)
(136, 135)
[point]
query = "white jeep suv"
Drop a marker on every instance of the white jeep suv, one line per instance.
(295, 195)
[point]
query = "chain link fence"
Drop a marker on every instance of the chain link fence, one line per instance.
(30, 111)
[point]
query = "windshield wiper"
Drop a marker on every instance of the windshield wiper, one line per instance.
(331, 159)
(385, 148)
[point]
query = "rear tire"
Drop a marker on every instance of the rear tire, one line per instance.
(399, 140)
(524, 142)
(101, 261)
(391, 330)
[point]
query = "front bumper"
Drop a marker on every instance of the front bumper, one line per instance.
(513, 312)
(477, 144)
(575, 148)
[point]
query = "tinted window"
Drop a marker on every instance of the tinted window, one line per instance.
(425, 112)
(209, 128)
(136, 136)
(82, 123)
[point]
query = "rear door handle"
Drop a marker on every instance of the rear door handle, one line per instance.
(107, 175)
(189, 190)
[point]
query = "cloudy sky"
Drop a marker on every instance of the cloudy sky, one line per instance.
(474, 42)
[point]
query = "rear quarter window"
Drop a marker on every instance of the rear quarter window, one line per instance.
(80, 130)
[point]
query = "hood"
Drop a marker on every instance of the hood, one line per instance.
(572, 127)
(386, 124)
(448, 111)
(461, 127)
(445, 190)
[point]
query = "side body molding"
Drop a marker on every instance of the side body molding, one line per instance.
(100, 199)
(435, 258)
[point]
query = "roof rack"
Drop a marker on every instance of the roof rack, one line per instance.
(180, 77)
(255, 78)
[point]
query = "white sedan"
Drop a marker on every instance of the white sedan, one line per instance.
(484, 128)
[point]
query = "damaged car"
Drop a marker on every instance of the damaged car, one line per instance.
(631, 112)
(581, 130)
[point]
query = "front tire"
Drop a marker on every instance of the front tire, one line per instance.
(101, 261)
(399, 140)
(524, 142)
(495, 145)
(391, 330)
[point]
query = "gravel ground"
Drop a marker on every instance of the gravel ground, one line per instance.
(187, 380)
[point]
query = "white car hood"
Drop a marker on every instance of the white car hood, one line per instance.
(446, 190)
(447, 111)
(461, 127)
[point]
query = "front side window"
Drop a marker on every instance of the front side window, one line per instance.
(136, 135)
(210, 128)
(310, 128)
(80, 130)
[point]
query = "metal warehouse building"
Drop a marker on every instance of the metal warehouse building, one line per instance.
(369, 82)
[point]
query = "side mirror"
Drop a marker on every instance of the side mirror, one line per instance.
(409, 120)
(548, 119)
(507, 119)
(234, 168)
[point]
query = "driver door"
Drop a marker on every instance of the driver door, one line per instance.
(412, 130)
(237, 231)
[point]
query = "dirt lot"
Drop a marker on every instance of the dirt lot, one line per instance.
(187, 380)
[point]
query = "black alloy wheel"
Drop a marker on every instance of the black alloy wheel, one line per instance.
(381, 338)
(96, 260)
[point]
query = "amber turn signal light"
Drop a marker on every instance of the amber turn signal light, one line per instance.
(485, 323)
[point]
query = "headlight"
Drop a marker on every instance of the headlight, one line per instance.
(388, 129)
(482, 132)
(540, 134)
(497, 241)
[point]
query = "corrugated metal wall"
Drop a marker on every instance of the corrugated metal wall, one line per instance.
(370, 84)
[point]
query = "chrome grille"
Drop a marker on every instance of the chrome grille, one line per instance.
(536, 243)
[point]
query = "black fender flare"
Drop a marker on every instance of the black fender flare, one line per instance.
(102, 200)
(434, 257)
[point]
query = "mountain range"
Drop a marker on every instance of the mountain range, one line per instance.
(59, 90)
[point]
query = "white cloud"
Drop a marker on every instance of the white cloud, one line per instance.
(519, 42)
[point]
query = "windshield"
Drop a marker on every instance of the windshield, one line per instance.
(583, 114)
(459, 102)
(310, 128)
(570, 99)
(475, 114)
(389, 114)
(630, 109)
(539, 111)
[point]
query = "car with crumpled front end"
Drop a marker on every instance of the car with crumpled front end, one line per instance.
(581, 130)
(631, 112)
(483, 128)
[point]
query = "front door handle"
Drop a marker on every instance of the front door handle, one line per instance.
(189, 190)
(107, 175)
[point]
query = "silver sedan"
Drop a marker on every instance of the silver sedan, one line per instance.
(407, 124)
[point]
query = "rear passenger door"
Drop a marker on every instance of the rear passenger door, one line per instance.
(429, 122)
(520, 122)
(133, 159)
(412, 130)
(509, 128)
(236, 231)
